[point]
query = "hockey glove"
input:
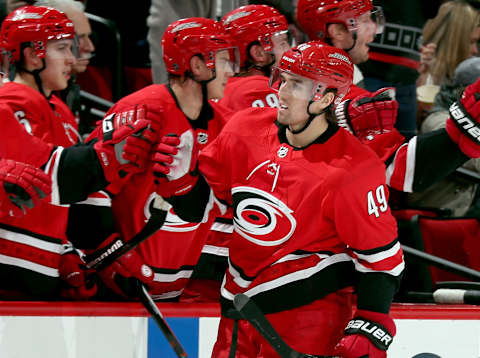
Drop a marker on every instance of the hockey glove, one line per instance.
(122, 275)
(23, 187)
(175, 164)
(76, 278)
(368, 334)
(463, 124)
(127, 139)
(368, 116)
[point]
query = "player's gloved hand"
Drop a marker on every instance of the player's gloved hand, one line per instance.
(77, 282)
(463, 125)
(368, 334)
(368, 116)
(126, 143)
(175, 164)
(22, 187)
(122, 275)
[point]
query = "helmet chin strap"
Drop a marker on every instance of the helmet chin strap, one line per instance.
(265, 69)
(311, 117)
(36, 76)
(354, 42)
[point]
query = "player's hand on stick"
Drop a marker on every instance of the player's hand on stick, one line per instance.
(23, 186)
(368, 334)
(77, 282)
(122, 275)
(463, 124)
(126, 143)
(368, 116)
(175, 164)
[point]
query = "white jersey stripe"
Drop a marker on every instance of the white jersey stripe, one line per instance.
(410, 165)
(397, 270)
(379, 256)
(286, 279)
(215, 250)
(165, 277)
(222, 227)
(31, 241)
(29, 265)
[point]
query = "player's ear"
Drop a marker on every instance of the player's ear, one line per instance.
(338, 33)
(257, 54)
(322, 103)
(198, 67)
(31, 60)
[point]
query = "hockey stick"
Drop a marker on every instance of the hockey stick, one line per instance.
(119, 248)
(161, 323)
(250, 311)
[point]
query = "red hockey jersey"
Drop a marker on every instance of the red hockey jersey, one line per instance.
(31, 246)
(174, 250)
(305, 220)
(250, 91)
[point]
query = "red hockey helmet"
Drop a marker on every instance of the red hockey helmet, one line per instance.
(314, 15)
(186, 38)
(326, 66)
(252, 23)
(34, 24)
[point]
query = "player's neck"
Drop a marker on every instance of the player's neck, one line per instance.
(314, 130)
(189, 97)
(28, 80)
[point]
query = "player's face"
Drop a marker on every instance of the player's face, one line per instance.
(59, 61)
(85, 44)
(366, 30)
(281, 44)
(294, 95)
(474, 38)
(224, 69)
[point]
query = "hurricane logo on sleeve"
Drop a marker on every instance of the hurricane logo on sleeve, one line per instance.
(261, 218)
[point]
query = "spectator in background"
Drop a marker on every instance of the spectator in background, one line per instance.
(163, 13)
(394, 57)
(455, 192)
(449, 38)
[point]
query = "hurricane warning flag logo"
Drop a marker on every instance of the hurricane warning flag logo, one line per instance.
(261, 218)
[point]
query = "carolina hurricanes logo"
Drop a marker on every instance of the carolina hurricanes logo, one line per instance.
(261, 218)
(172, 221)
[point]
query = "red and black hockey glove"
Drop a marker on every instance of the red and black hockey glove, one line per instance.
(77, 282)
(175, 164)
(22, 187)
(463, 125)
(126, 143)
(368, 116)
(368, 334)
(122, 275)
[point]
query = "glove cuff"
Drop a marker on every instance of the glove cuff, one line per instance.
(343, 119)
(379, 328)
(468, 126)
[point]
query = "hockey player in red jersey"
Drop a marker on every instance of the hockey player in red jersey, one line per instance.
(310, 213)
(199, 57)
(261, 34)
(371, 117)
(37, 261)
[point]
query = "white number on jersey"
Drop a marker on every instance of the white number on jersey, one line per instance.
(271, 100)
(377, 202)
(20, 115)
